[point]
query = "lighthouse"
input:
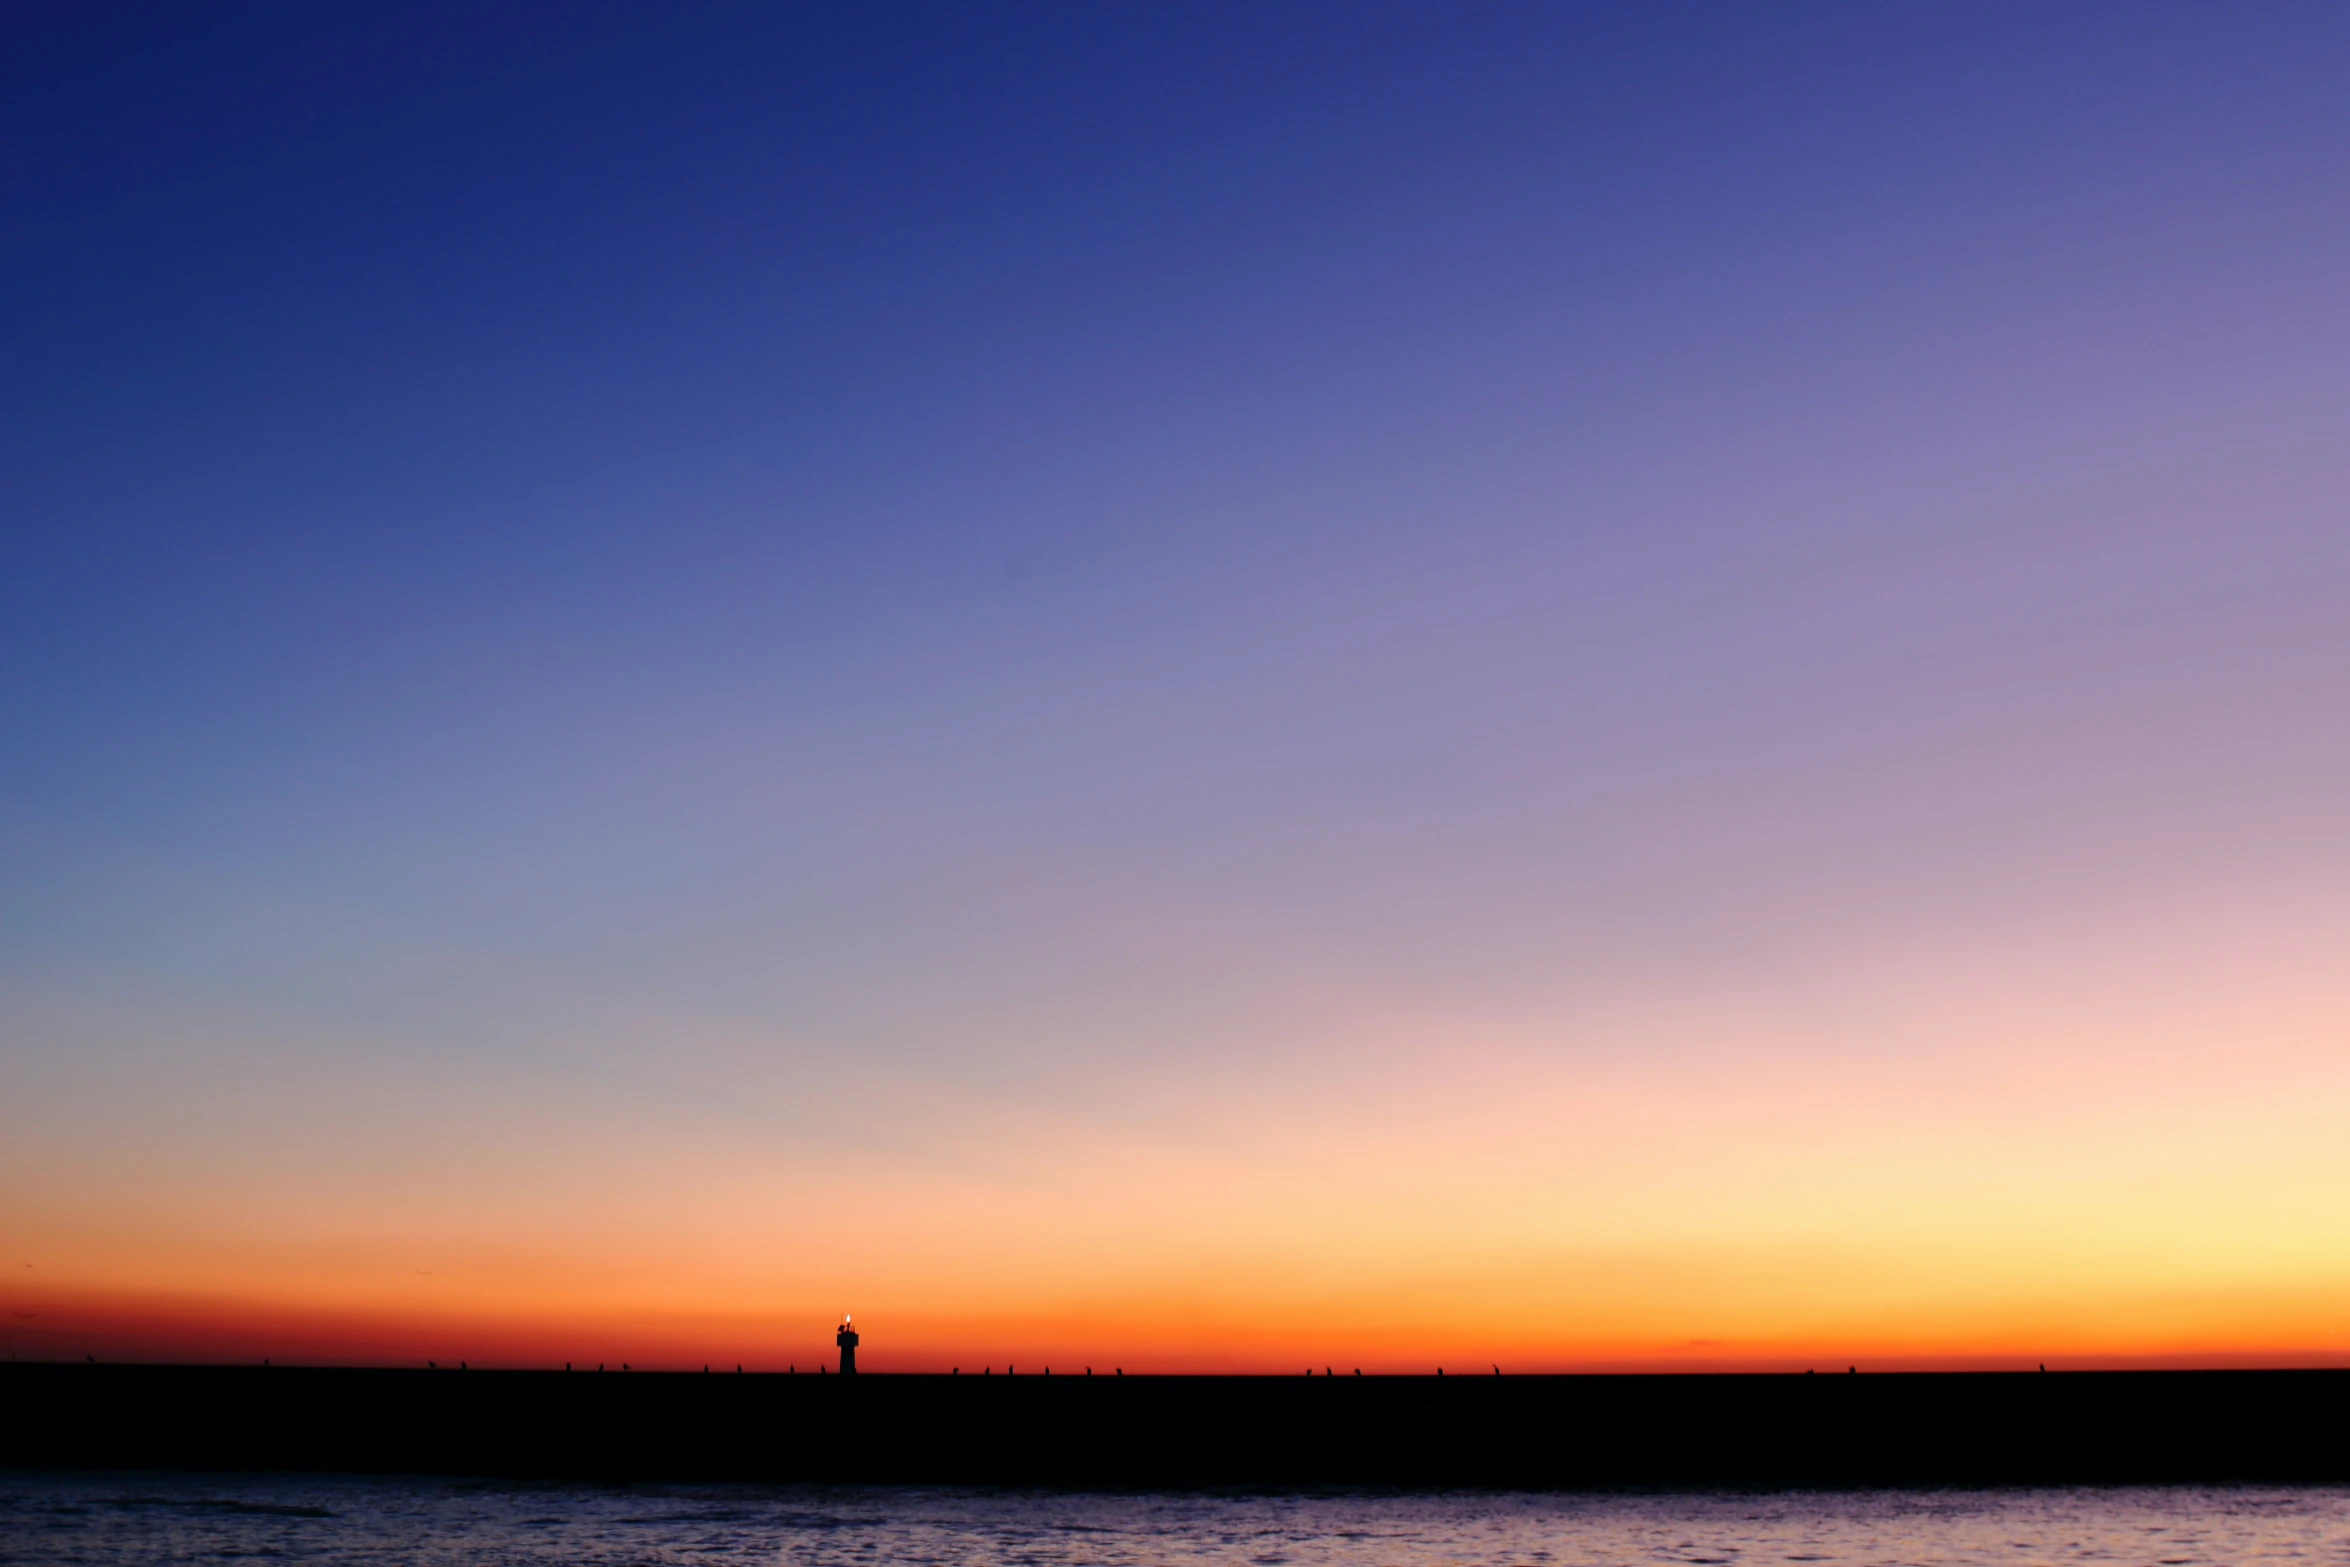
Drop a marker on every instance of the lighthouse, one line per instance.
(846, 1338)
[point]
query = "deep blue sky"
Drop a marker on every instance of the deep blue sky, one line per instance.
(1078, 560)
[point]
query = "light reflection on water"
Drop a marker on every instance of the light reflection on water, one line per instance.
(101, 1520)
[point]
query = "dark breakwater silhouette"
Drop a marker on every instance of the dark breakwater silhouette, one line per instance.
(1507, 1431)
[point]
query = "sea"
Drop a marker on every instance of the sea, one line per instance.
(116, 1520)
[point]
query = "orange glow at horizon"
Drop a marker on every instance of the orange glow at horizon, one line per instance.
(2073, 1174)
(2283, 1328)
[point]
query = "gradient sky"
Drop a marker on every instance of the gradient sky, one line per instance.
(1180, 685)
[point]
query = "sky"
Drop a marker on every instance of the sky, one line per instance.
(1186, 686)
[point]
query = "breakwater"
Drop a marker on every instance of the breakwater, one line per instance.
(1519, 1431)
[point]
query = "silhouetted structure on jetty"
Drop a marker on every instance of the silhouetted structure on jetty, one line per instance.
(1535, 1431)
(846, 1338)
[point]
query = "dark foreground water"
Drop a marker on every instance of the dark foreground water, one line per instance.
(160, 1519)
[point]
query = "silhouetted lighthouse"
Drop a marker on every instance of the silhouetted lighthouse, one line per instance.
(846, 1338)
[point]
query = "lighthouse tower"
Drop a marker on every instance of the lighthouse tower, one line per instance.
(846, 1338)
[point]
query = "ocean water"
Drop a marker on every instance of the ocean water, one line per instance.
(109, 1519)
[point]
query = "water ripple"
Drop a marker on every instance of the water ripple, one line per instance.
(103, 1521)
